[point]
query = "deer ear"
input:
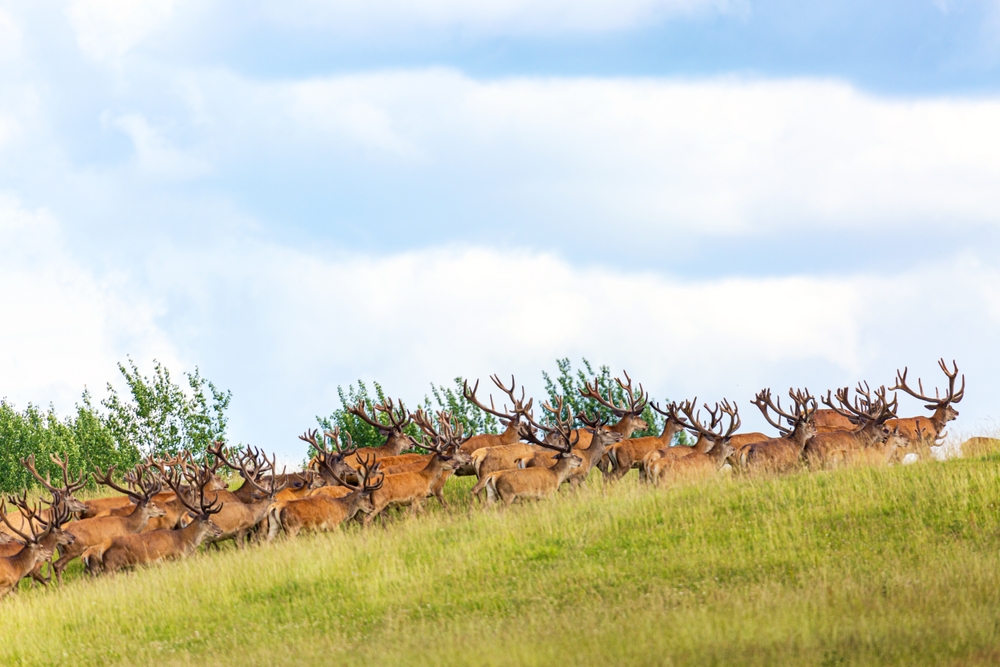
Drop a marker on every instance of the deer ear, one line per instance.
(931, 406)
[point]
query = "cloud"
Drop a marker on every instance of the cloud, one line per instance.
(63, 326)
(488, 16)
(107, 29)
(717, 156)
(154, 154)
(10, 37)
(288, 325)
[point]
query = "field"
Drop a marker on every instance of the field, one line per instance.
(888, 566)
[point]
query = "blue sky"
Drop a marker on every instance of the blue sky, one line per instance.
(718, 194)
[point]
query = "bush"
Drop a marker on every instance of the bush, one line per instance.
(157, 417)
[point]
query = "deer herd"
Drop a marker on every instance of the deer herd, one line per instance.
(166, 508)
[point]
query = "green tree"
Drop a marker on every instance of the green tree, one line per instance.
(160, 417)
(568, 384)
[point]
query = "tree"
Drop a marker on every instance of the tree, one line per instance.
(159, 417)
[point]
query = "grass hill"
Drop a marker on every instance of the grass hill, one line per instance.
(896, 566)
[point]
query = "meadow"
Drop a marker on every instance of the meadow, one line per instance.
(880, 566)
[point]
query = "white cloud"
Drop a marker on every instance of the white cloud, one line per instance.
(155, 155)
(716, 156)
(292, 325)
(63, 327)
(487, 16)
(10, 37)
(108, 29)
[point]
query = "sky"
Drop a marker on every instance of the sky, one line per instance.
(716, 195)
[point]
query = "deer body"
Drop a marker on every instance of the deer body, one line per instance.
(145, 548)
(631, 453)
(317, 513)
(530, 483)
(91, 532)
(15, 568)
(696, 465)
(408, 488)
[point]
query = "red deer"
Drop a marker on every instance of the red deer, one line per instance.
(601, 438)
(509, 420)
(629, 419)
(411, 488)
(396, 440)
(330, 467)
(784, 453)
(698, 464)
(539, 482)
(60, 495)
(166, 544)
(36, 550)
(869, 417)
(237, 519)
(324, 513)
(90, 532)
(57, 514)
(634, 452)
(701, 446)
(942, 407)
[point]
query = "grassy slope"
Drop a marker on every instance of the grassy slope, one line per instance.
(894, 566)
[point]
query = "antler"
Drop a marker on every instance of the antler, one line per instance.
(29, 463)
(562, 430)
(30, 515)
(596, 422)
(764, 404)
(199, 479)
(951, 397)
(398, 419)
(635, 405)
(694, 418)
(863, 409)
(519, 405)
(448, 435)
(70, 486)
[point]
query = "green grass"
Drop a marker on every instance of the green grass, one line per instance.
(892, 566)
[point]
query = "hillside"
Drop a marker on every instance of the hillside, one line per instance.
(890, 566)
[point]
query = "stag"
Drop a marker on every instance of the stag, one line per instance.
(128, 551)
(396, 440)
(699, 464)
(509, 420)
(638, 452)
(323, 512)
(36, 549)
(539, 482)
(237, 519)
(868, 416)
(409, 489)
(91, 532)
(629, 415)
(785, 452)
(941, 405)
(60, 495)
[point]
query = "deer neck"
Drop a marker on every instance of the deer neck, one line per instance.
(939, 419)
(510, 434)
(139, 517)
(434, 468)
(703, 445)
(394, 444)
(24, 561)
(670, 429)
(562, 469)
(244, 493)
(717, 455)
